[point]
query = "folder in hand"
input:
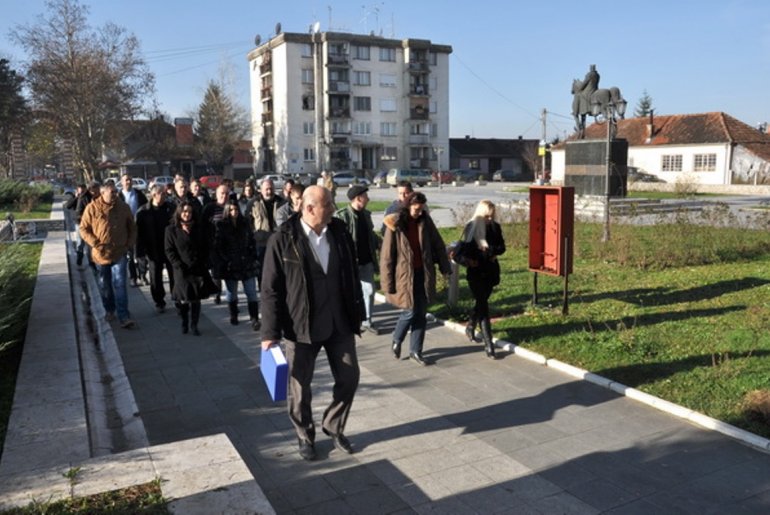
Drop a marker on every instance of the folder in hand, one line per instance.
(274, 370)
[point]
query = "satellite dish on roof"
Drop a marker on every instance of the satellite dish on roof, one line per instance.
(316, 27)
(257, 40)
(277, 28)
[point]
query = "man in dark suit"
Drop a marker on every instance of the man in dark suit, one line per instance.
(314, 302)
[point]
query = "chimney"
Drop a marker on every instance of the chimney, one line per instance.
(651, 127)
(184, 131)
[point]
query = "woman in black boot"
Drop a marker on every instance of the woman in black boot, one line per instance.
(235, 259)
(187, 251)
(485, 275)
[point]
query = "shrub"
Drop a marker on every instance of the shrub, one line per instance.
(23, 196)
(18, 268)
(686, 185)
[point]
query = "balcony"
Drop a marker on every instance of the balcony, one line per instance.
(419, 139)
(418, 113)
(267, 118)
(266, 93)
(265, 68)
(339, 112)
(419, 66)
(419, 89)
(338, 60)
(339, 86)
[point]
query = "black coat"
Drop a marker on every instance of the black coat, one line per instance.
(188, 255)
(488, 269)
(235, 251)
(151, 223)
(285, 289)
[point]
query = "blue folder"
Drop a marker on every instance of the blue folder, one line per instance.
(274, 370)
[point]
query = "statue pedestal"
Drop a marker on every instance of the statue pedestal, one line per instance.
(586, 167)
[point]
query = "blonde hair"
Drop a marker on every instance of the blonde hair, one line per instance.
(485, 208)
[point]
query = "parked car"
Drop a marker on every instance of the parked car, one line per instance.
(380, 177)
(278, 181)
(464, 175)
(161, 180)
(416, 176)
(636, 175)
(445, 175)
(211, 182)
(139, 183)
(347, 178)
(508, 175)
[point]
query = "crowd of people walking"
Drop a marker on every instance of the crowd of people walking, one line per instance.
(310, 264)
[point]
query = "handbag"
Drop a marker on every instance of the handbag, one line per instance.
(464, 253)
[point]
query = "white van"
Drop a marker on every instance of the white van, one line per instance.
(417, 177)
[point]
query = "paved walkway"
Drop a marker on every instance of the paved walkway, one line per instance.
(465, 435)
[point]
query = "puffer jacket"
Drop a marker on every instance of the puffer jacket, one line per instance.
(109, 230)
(396, 271)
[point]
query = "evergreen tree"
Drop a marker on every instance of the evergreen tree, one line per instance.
(644, 106)
(13, 105)
(219, 127)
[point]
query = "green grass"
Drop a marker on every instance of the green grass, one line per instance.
(675, 310)
(41, 210)
(374, 206)
(662, 195)
(18, 272)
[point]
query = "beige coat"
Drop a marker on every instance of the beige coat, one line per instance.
(109, 230)
(396, 272)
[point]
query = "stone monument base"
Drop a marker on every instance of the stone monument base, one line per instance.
(586, 167)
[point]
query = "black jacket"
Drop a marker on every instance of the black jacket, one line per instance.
(286, 281)
(151, 223)
(188, 256)
(235, 251)
(488, 269)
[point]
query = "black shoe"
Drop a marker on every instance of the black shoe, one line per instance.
(218, 300)
(396, 350)
(306, 450)
(470, 333)
(195, 330)
(418, 359)
(341, 443)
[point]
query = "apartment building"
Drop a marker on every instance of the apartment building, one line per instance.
(340, 101)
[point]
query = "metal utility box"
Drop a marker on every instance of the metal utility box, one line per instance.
(551, 229)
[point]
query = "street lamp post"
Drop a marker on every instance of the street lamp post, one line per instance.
(612, 111)
(438, 150)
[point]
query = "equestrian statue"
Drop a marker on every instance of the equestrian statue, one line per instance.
(587, 99)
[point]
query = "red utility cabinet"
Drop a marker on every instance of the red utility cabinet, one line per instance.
(551, 229)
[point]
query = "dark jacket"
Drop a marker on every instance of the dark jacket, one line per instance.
(286, 281)
(141, 198)
(348, 215)
(188, 256)
(396, 271)
(82, 202)
(151, 223)
(235, 251)
(488, 268)
(256, 213)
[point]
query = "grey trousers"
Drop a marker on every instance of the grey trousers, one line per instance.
(343, 362)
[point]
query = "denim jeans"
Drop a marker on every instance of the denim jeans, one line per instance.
(366, 275)
(414, 318)
(249, 288)
(112, 286)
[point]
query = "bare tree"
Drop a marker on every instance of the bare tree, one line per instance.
(219, 125)
(83, 79)
(13, 106)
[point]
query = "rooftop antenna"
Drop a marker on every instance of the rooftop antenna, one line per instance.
(277, 28)
(257, 40)
(330, 17)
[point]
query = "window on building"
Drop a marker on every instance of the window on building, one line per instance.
(671, 163)
(309, 154)
(388, 54)
(308, 127)
(433, 56)
(704, 163)
(362, 103)
(361, 52)
(387, 80)
(434, 130)
(361, 78)
(434, 107)
(433, 83)
(387, 128)
(387, 105)
(362, 128)
(340, 128)
(307, 76)
(307, 50)
(389, 154)
(308, 102)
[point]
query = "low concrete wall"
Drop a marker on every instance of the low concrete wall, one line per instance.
(726, 189)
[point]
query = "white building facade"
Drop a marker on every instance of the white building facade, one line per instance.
(338, 101)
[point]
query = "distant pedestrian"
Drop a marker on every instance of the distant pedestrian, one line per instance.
(72, 205)
(247, 195)
(311, 298)
(484, 272)
(92, 192)
(327, 181)
(211, 215)
(261, 213)
(135, 199)
(410, 250)
(199, 193)
(292, 206)
(186, 247)
(108, 228)
(358, 221)
(235, 260)
(151, 222)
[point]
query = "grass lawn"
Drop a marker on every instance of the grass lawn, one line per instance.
(662, 195)
(42, 210)
(374, 206)
(678, 311)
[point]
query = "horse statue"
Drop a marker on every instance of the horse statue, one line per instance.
(602, 98)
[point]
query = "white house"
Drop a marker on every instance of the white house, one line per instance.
(711, 148)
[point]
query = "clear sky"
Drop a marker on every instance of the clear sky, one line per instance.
(510, 58)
